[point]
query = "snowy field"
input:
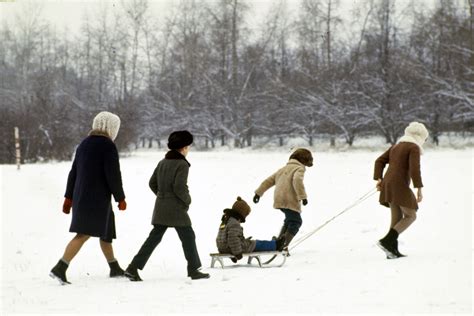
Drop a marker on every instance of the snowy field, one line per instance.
(338, 270)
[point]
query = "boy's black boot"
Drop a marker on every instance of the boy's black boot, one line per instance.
(282, 231)
(59, 272)
(288, 238)
(132, 274)
(389, 244)
(115, 269)
(196, 274)
(280, 243)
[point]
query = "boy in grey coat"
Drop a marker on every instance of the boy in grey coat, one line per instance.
(169, 184)
(230, 238)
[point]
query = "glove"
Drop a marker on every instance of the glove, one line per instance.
(67, 206)
(236, 258)
(122, 205)
(305, 201)
(256, 198)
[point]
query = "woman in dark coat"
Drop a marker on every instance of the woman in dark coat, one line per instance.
(169, 184)
(94, 177)
(404, 164)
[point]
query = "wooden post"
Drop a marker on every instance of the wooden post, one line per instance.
(17, 147)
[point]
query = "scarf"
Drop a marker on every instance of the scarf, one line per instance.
(174, 154)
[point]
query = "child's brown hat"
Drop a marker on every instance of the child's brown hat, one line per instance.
(241, 207)
(304, 156)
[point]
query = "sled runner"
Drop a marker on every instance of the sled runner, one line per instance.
(274, 256)
(253, 255)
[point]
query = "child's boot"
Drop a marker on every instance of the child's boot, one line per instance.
(397, 252)
(389, 244)
(59, 272)
(280, 243)
(132, 274)
(282, 232)
(288, 238)
(196, 274)
(115, 269)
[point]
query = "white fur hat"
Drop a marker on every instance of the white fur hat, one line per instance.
(108, 123)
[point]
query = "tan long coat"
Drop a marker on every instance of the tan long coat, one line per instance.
(404, 164)
(289, 187)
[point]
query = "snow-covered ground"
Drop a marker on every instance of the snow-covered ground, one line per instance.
(337, 270)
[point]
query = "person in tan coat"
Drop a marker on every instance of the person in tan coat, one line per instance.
(289, 191)
(404, 164)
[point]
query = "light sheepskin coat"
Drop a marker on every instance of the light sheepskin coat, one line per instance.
(289, 187)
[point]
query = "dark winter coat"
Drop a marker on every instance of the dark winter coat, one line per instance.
(169, 183)
(230, 238)
(404, 164)
(94, 177)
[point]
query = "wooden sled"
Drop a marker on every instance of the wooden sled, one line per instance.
(219, 257)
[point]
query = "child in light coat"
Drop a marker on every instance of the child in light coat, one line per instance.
(230, 238)
(403, 160)
(289, 191)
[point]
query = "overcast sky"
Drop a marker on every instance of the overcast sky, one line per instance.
(69, 13)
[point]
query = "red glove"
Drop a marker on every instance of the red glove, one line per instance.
(67, 206)
(122, 205)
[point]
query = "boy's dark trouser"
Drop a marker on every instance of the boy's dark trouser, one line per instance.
(293, 221)
(188, 241)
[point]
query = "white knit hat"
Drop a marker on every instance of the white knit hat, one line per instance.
(416, 133)
(108, 123)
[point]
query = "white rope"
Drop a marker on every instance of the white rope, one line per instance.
(357, 202)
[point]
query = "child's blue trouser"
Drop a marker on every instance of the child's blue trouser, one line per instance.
(265, 245)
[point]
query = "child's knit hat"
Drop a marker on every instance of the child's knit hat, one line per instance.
(108, 123)
(241, 207)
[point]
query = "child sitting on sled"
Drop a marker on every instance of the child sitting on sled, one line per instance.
(230, 238)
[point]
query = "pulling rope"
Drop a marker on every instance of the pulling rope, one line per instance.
(357, 202)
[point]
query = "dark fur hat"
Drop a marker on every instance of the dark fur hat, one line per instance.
(180, 139)
(304, 156)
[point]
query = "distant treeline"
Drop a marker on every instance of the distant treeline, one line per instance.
(204, 68)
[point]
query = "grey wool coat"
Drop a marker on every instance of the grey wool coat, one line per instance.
(169, 183)
(230, 238)
(404, 164)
